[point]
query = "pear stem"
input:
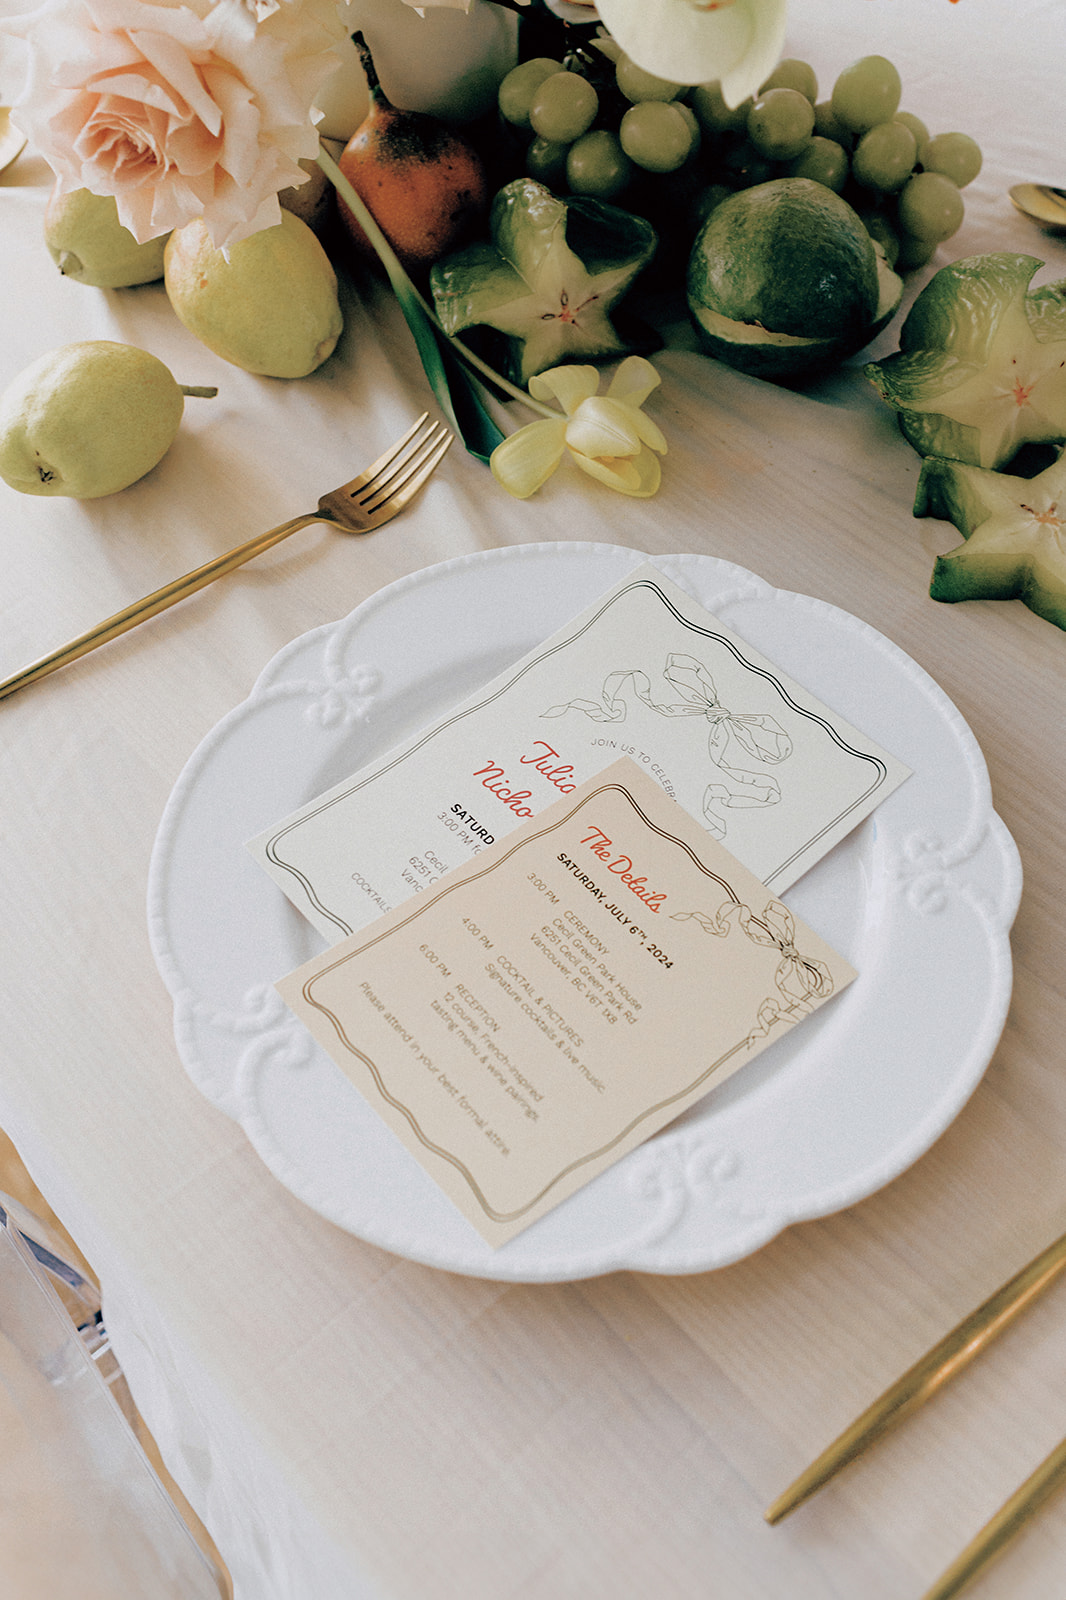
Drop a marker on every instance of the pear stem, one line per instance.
(366, 61)
(198, 390)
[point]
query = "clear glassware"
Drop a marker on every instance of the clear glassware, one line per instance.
(83, 1515)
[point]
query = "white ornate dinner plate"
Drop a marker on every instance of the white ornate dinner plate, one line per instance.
(920, 899)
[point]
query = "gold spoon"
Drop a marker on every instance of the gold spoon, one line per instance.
(1041, 201)
(12, 139)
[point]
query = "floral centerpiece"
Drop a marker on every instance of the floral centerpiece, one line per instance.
(198, 109)
(207, 110)
(204, 108)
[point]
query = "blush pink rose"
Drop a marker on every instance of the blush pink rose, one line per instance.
(201, 109)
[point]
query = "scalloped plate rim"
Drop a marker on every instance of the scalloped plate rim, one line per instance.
(517, 1265)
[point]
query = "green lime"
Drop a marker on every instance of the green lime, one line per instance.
(784, 280)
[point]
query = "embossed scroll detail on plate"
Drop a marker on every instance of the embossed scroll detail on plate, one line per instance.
(823, 1118)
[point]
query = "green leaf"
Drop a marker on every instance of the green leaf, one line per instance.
(443, 366)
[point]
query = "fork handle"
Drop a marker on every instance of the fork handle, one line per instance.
(152, 604)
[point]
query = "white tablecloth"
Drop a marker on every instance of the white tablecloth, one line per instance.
(349, 1424)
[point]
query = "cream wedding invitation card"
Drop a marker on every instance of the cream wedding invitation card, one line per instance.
(644, 672)
(544, 1008)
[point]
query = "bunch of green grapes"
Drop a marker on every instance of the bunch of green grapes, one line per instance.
(596, 124)
(904, 182)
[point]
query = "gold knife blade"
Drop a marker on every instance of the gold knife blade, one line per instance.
(940, 1364)
(1000, 1529)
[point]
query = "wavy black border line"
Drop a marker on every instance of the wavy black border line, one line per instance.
(881, 771)
(422, 904)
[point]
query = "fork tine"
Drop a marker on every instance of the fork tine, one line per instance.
(374, 495)
(385, 460)
(406, 491)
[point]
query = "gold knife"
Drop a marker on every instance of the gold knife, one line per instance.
(999, 1530)
(947, 1358)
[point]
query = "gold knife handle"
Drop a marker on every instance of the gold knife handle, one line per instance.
(950, 1356)
(1000, 1529)
(152, 604)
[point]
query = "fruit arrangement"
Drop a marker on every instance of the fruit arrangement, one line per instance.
(981, 367)
(593, 183)
(593, 123)
(424, 183)
(1012, 532)
(979, 387)
(548, 281)
(269, 304)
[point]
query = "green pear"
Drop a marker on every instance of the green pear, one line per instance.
(87, 420)
(269, 304)
(89, 244)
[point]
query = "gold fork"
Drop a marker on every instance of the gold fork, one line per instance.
(366, 503)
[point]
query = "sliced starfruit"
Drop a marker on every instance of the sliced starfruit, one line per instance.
(1014, 531)
(981, 368)
(549, 280)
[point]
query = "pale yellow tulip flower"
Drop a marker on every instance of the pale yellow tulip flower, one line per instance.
(608, 436)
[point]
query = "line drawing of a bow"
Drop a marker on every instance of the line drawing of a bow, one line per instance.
(758, 735)
(799, 979)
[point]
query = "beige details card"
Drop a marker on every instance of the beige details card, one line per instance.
(546, 1007)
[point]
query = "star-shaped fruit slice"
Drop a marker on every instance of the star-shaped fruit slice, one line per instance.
(1015, 533)
(981, 368)
(549, 280)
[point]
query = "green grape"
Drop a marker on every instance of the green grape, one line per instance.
(793, 74)
(546, 161)
(829, 126)
(712, 113)
(656, 135)
(866, 93)
(955, 155)
(913, 253)
(930, 207)
(824, 161)
(596, 164)
(692, 120)
(520, 85)
(564, 107)
(638, 85)
(780, 124)
(608, 47)
(884, 157)
(915, 124)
